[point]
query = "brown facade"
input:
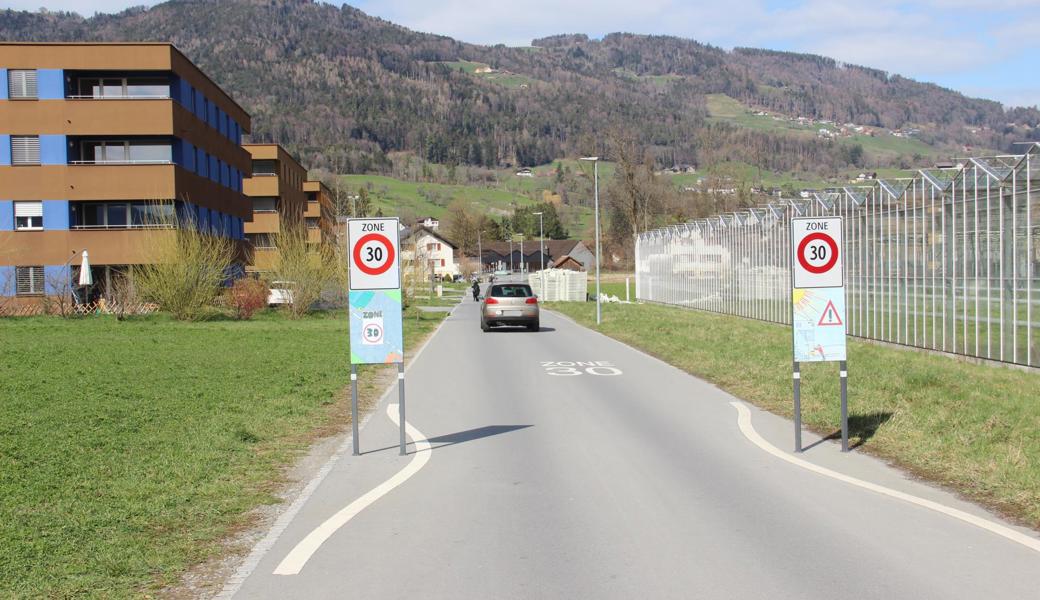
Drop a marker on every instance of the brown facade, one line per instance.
(279, 202)
(112, 167)
(320, 214)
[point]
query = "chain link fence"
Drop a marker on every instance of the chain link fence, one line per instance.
(946, 260)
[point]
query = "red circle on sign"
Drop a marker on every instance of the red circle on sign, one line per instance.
(825, 266)
(374, 237)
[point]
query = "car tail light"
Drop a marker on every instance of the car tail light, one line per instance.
(491, 300)
(532, 300)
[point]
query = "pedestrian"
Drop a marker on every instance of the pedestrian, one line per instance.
(476, 290)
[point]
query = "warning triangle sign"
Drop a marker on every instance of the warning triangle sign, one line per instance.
(830, 315)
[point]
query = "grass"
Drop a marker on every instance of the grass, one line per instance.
(130, 450)
(722, 108)
(974, 428)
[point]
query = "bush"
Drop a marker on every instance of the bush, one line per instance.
(304, 271)
(246, 297)
(187, 270)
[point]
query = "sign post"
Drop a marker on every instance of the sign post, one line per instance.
(376, 330)
(818, 307)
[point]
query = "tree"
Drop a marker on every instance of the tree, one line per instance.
(523, 220)
(460, 223)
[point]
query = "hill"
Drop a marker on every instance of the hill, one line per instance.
(344, 90)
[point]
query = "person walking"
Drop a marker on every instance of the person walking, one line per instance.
(476, 290)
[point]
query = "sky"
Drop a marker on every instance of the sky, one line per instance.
(983, 48)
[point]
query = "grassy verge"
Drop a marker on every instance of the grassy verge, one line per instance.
(974, 428)
(128, 450)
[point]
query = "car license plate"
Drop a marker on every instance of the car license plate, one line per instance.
(512, 313)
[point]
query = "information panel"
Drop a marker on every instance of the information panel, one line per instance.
(376, 332)
(819, 324)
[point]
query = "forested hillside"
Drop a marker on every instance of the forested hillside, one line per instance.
(345, 90)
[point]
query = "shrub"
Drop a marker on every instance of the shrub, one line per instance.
(186, 271)
(246, 297)
(303, 270)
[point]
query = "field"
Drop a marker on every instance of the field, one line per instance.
(722, 108)
(129, 450)
(505, 79)
(974, 428)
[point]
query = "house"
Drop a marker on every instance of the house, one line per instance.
(528, 255)
(106, 148)
(567, 262)
(426, 244)
(525, 172)
(279, 201)
(428, 222)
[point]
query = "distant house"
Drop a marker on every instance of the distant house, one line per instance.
(497, 255)
(428, 222)
(525, 172)
(681, 168)
(423, 243)
(568, 263)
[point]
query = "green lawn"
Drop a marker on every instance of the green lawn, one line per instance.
(975, 428)
(128, 450)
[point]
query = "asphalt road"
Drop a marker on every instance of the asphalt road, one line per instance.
(627, 480)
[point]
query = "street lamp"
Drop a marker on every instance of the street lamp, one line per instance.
(595, 167)
(521, 256)
(541, 249)
(510, 255)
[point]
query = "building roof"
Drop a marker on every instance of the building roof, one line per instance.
(553, 248)
(408, 232)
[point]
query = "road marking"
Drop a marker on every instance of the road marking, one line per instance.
(744, 421)
(569, 368)
(298, 557)
(246, 568)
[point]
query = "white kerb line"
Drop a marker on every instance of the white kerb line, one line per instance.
(744, 422)
(293, 563)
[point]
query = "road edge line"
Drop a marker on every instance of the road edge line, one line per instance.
(297, 558)
(748, 429)
(260, 549)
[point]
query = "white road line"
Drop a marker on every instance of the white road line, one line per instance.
(744, 421)
(246, 568)
(298, 557)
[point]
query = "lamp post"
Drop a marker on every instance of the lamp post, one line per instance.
(595, 167)
(541, 249)
(510, 255)
(521, 256)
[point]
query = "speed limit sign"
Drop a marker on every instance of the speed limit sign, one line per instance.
(374, 254)
(818, 254)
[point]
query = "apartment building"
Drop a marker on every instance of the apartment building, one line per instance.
(320, 215)
(101, 147)
(276, 190)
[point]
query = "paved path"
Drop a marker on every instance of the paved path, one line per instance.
(627, 480)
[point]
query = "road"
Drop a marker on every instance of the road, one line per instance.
(627, 480)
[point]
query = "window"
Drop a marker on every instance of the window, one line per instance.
(125, 151)
(265, 204)
(511, 291)
(442, 262)
(261, 241)
(28, 215)
(429, 247)
(25, 149)
(121, 215)
(29, 281)
(21, 83)
(312, 222)
(438, 245)
(124, 87)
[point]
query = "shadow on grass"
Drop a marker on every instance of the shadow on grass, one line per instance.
(861, 429)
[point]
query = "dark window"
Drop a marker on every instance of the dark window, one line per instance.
(265, 204)
(511, 291)
(116, 215)
(265, 167)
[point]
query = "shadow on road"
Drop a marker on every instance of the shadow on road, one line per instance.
(861, 429)
(462, 436)
(517, 329)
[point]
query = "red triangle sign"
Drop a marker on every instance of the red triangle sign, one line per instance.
(830, 315)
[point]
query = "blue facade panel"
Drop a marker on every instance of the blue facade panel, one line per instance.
(55, 274)
(225, 175)
(50, 84)
(5, 149)
(214, 173)
(203, 219)
(7, 280)
(200, 105)
(203, 164)
(3, 84)
(6, 215)
(56, 214)
(53, 150)
(188, 151)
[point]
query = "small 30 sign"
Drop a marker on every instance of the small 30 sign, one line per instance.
(817, 246)
(374, 254)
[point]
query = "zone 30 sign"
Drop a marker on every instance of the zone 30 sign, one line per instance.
(374, 253)
(817, 247)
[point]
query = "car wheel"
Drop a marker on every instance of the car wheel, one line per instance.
(484, 327)
(534, 326)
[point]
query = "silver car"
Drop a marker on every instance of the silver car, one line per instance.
(509, 304)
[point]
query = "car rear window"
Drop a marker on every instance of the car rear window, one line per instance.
(511, 291)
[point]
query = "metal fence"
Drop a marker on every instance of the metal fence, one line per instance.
(946, 260)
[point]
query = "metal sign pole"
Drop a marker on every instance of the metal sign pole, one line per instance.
(843, 373)
(797, 376)
(353, 409)
(400, 403)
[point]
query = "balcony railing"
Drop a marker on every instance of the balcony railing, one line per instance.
(121, 227)
(119, 97)
(121, 162)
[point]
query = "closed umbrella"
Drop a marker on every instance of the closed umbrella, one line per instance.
(85, 277)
